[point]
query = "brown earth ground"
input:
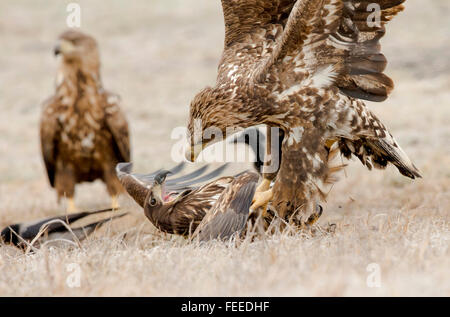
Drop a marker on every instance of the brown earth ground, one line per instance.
(157, 55)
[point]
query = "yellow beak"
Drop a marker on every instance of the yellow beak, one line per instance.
(64, 47)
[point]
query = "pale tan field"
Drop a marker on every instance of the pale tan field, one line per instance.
(157, 55)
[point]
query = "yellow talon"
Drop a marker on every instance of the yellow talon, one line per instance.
(262, 197)
(264, 186)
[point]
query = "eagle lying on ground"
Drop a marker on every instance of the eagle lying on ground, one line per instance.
(84, 133)
(303, 66)
(218, 209)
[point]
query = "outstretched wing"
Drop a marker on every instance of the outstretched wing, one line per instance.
(30, 230)
(138, 185)
(118, 126)
(251, 28)
(49, 128)
(84, 231)
(229, 214)
(177, 184)
(335, 42)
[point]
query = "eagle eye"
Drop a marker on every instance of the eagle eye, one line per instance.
(152, 202)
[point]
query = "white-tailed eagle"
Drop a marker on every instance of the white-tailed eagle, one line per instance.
(304, 66)
(84, 133)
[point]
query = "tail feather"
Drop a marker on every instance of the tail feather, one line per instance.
(362, 134)
(393, 153)
(378, 153)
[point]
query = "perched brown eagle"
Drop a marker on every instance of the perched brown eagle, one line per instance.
(303, 66)
(84, 133)
(216, 210)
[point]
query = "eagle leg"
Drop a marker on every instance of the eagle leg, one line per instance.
(71, 207)
(262, 197)
(115, 202)
(264, 186)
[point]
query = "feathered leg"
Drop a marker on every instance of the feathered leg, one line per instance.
(65, 185)
(113, 186)
(71, 207)
(303, 175)
(264, 194)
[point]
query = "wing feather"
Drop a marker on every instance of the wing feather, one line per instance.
(308, 37)
(251, 27)
(341, 37)
(229, 214)
(49, 128)
(118, 126)
(31, 229)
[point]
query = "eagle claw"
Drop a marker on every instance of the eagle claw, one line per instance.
(261, 199)
(315, 216)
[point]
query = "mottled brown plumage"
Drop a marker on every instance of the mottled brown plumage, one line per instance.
(303, 66)
(179, 209)
(83, 131)
(228, 216)
(182, 214)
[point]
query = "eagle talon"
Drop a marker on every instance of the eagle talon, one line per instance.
(261, 199)
(264, 186)
(315, 216)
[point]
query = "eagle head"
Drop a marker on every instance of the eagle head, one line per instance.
(212, 118)
(78, 49)
(157, 197)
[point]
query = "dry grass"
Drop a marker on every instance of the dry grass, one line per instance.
(157, 56)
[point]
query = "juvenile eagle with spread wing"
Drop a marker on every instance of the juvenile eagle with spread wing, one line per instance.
(218, 209)
(83, 131)
(303, 66)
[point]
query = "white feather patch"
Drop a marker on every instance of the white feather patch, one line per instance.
(323, 77)
(295, 135)
(288, 92)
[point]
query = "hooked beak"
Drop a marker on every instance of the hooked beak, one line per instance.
(158, 185)
(57, 50)
(63, 47)
(161, 177)
(193, 151)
